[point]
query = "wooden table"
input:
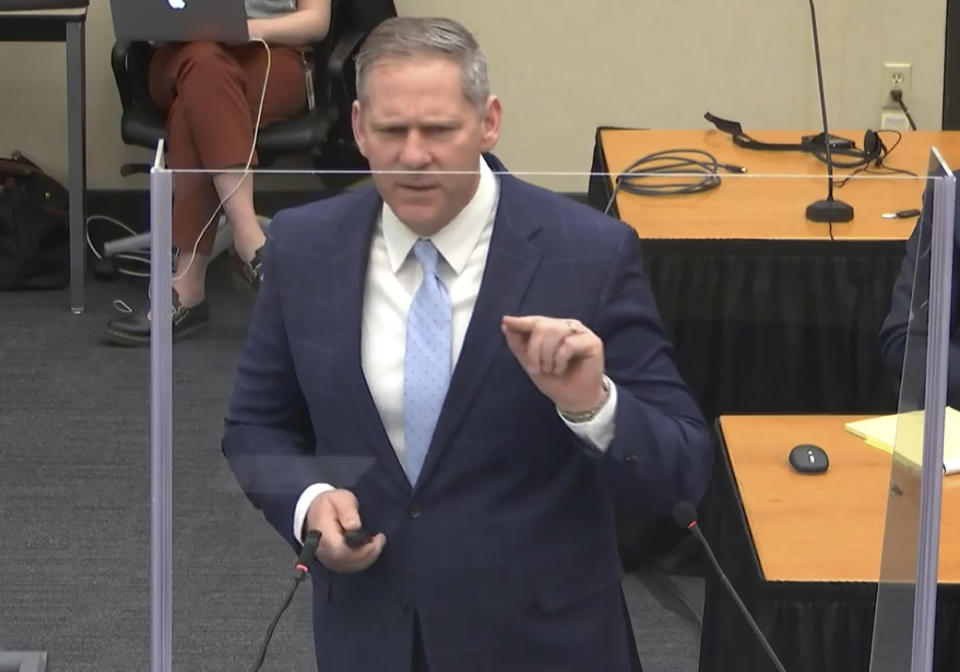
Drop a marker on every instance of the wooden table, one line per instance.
(767, 208)
(767, 314)
(825, 527)
(803, 551)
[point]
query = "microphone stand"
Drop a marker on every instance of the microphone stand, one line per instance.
(828, 209)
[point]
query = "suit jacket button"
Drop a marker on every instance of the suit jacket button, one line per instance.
(414, 511)
(630, 459)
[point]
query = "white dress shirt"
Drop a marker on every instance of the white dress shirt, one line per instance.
(393, 276)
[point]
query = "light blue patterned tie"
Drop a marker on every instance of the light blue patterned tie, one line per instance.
(426, 374)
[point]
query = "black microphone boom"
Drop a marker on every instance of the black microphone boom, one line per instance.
(685, 515)
(828, 209)
(307, 551)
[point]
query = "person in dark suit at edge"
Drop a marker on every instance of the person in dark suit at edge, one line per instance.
(491, 354)
(893, 334)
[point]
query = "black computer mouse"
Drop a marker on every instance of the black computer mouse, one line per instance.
(809, 459)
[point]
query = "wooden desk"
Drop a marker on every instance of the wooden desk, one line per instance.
(804, 551)
(826, 527)
(762, 208)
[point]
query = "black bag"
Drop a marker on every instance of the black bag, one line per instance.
(34, 227)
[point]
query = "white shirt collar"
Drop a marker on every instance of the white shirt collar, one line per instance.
(457, 239)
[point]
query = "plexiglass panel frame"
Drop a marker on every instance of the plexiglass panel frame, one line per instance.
(689, 208)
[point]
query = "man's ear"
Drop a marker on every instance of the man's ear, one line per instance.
(490, 123)
(358, 133)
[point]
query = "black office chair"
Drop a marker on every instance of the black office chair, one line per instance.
(323, 133)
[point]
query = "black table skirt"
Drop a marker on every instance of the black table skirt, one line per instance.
(813, 627)
(777, 326)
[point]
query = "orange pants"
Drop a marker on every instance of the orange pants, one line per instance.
(211, 94)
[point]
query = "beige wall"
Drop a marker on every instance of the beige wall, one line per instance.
(663, 63)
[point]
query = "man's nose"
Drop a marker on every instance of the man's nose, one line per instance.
(414, 154)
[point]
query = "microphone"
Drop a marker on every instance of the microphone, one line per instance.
(685, 516)
(828, 209)
(310, 543)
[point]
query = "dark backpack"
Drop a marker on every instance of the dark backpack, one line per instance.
(34, 228)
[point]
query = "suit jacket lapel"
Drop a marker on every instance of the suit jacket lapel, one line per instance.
(512, 259)
(350, 262)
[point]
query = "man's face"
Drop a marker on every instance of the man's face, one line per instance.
(415, 118)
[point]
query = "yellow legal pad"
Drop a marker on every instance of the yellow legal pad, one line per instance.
(906, 431)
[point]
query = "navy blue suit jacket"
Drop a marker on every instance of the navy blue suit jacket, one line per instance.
(505, 550)
(893, 334)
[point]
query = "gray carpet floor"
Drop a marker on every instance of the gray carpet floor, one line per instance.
(75, 498)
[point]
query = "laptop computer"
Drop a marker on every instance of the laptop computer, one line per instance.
(180, 20)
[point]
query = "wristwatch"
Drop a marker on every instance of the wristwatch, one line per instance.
(588, 415)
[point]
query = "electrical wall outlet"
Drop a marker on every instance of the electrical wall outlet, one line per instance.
(896, 76)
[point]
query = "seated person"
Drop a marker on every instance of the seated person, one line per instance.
(893, 334)
(211, 94)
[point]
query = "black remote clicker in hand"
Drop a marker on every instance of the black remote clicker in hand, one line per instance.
(356, 538)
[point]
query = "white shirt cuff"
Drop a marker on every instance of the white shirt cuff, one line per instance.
(303, 506)
(598, 430)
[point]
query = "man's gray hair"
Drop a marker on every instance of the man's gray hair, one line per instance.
(409, 36)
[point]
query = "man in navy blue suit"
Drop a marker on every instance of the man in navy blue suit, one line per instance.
(893, 334)
(469, 367)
